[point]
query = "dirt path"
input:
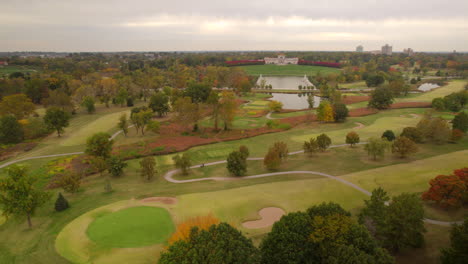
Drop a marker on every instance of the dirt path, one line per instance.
(358, 125)
(170, 174)
(269, 216)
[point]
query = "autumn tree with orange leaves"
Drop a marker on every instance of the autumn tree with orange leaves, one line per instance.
(183, 229)
(449, 191)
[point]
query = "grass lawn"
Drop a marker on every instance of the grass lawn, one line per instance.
(7, 70)
(291, 70)
(131, 227)
(451, 87)
(232, 201)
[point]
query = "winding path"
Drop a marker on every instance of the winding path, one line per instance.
(6, 164)
(169, 176)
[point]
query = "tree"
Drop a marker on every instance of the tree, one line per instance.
(374, 80)
(311, 147)
(341, 112)
(275, 106)
(19, 194)
(461, 122)
(123, 124)
(448, 191)
(236, 163)
(213, 102)
(159, 103)
(412, 133)
(389, 135)
(183, 162)
(456, 253)
(221, 244)
(61, 204)
(317, 235)
(404, 223)
(323, 142)
(438, 104)
(153, 126)
(59, 99)
(272, 160)
(376, 147)
(404, 146)
(434, 129)
(244, 151)
(227, 108)
(457, 135)
(198, 92)
(99, 164)
(11, 131)
(186, 112)
(57, 119)
(115, 166)
(352, 138)
(140, 117)
(88, 103)
(99, 145)
(148, 168)
(70, 181)
(381, 98)
(282, 149)
(325, 112)
(18, 105)
(183, 229)
(374, 213)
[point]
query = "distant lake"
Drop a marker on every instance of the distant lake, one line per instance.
(427, 87)
(285, 82)
(294, 101)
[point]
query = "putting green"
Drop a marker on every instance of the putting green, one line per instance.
(132, 227)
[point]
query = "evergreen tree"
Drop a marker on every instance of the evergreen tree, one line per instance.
(461, 122)
(457, 253)
(237, 163)
(61, 203)
(11, 131)
(389, 135)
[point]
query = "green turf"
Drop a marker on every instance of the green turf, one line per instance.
(354, 85)
(7, 70)
(291, 70)
(35, 245)
(132, 227)
(451, 87)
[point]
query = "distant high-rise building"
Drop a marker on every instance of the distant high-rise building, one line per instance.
(359, 48)
(387, 50)
(408, 51)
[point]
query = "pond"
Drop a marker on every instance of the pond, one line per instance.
(284, 82)
(294, 101)
(427, 87)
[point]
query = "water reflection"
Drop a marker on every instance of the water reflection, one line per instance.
(285, 82)
(427, 87)
(295, 101)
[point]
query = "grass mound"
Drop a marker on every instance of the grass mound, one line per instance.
(132, 227)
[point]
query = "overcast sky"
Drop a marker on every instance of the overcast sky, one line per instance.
(155, 25)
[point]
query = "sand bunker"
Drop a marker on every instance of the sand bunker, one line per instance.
(358, 125)
(269, 216)
(164, 200)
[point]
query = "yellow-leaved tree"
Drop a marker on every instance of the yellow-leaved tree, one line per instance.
(325, 112)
